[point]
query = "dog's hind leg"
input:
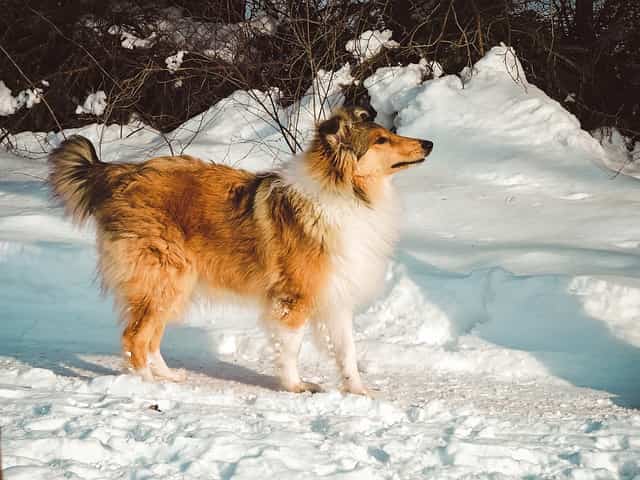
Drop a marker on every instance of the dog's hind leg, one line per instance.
(153, 281)
(142, 321)
(156, 361)
(147, 318)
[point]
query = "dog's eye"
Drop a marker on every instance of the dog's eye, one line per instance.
(382, 140)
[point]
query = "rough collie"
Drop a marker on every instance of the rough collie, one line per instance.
(309, 241)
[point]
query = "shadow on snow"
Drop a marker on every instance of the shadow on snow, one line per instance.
(539, 315)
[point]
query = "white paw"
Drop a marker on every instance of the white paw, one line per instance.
(144, 373)
(301, 387)
(356, 389)
(169, 374)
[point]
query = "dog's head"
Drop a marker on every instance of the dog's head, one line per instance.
(352, 152)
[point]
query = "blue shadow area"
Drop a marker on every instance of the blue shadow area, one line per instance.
(539, 315)
(52, 314)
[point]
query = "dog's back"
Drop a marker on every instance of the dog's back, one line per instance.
(149, 199)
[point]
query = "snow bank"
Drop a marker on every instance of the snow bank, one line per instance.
(247, 119)
(389, 88)
(496, 96)
(616, 302)
(501, 231)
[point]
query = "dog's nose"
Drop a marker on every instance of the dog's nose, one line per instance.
(427, 146)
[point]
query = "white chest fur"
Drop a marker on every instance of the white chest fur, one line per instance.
(366, 236)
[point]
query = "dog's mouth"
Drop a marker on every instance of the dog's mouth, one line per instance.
(406, 164)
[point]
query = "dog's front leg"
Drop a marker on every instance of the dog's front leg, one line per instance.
(286, 341)
(334, 328)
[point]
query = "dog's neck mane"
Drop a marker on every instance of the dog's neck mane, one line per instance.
(365, 232)
(296, 176)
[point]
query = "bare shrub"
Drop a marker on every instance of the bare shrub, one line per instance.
(586, 52)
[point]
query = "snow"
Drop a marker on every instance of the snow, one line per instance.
(174, 62)
(623, 156)
(224, 41)
(389, 85)
(29, 97)
(436, 69)
(370, 43)
(8, 103)
(26, 98)
(94, 104)
(130, 41)
(505, 342)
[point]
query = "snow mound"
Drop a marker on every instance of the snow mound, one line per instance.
(389, 88)
(614, 301)
(498, 97)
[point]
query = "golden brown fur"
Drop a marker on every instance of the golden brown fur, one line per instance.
(170, 223)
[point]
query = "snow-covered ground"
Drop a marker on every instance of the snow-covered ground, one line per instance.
(506, 343)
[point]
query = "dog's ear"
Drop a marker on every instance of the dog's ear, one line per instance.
(361, 114)
(335, 130)
(331, 126)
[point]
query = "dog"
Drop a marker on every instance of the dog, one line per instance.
(309, 241)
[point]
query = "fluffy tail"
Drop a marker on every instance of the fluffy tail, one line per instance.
(76, 176)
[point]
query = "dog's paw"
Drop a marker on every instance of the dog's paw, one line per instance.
(356, 390)
(169, 374)
(302, 387)
(144, 373)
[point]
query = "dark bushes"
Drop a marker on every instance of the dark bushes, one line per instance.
(584, 53)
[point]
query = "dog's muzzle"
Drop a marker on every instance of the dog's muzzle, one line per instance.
(427, 146)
